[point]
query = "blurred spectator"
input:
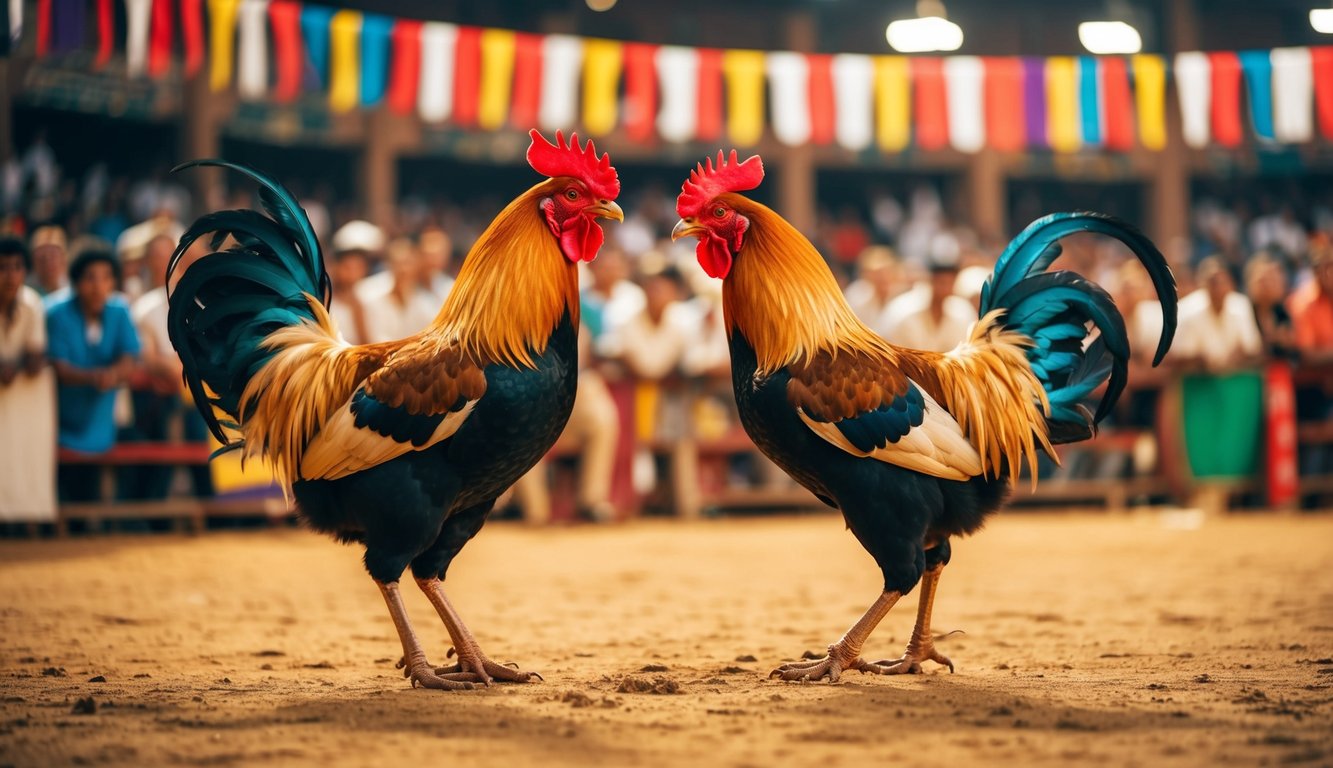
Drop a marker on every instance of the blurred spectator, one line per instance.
(93, 347)
(1217, 328)
(1312, 307)
(50, 263)
(1279, 230)
(437, 252)
(27, 405)
(610, 301)
(930, 316)
(355, 246)
(1266, 285)
(653, 342)
(848, 238)
(396, 304)
(876, 284)
(133, 243)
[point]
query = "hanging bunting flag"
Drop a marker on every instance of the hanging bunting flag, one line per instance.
(344, 60)
(527, 80)
(1293, 95)
(1063, 123)
(708, 113)
(1193, 74)
(106, 33)
(467, 75)
(43, 27)
(853, 78)
(192, 35)
(252, 49)
(678, 74)
(562, 58)
(823, 110)
(789, 89)
(138, 15)
(602, 62)
(70, 25)
(964, 77)
(744, 72)
(435, 98)
(497, 77)
(1034, 102)
(640, 91)
(1257, 67)
(893, 103)
(1150, 97)
(1117, 105)
(159, 43)
(1005, 129)
(222, 35)
(405, 68)
(315, 23)
(931, 103)
(1321, 66)
(284, 18)
(1226, 74)
(1089, 101)
(375, 30)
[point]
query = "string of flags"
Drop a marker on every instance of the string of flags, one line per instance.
(487, 79)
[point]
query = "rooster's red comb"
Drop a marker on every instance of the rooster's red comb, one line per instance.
(582, 163)
(707, 182)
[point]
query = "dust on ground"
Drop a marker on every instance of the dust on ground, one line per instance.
(1088, 639)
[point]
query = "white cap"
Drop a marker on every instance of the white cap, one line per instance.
(358, 236)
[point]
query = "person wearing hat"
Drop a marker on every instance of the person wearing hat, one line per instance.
(50, 263)
(356, 248)
(931, 316)
(876, 284)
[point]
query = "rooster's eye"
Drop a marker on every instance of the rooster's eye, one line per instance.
(572, 194)
(719, 211)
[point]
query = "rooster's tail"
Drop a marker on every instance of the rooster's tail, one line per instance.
(227, 306)
(1053, 310)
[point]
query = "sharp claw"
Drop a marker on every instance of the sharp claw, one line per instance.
(450, 654)
(538, 675)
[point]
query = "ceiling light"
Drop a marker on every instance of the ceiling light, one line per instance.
(923, 35)
(1108, 37)
(1322, 20)
(601, 5)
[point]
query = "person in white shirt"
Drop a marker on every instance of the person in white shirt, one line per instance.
(27, 396)
(876, 284)
(400, 306)
(1217, 330)
(929, 317)
(610, 301)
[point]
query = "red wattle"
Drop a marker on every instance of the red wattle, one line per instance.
(714, 255)
(581, 238)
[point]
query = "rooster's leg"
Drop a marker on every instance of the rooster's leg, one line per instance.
(414, 663)
(922, 644)
(844, 654)
(472, 663)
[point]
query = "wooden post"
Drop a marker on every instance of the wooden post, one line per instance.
(201, 136)
(797, 180)
(986, 195)
(1169, 192)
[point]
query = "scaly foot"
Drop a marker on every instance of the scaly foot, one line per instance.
(813, 668)
(909, 663)
(475, 667)
(421, 672)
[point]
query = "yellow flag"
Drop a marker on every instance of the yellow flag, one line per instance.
(744, 72)
(1150, 98)
(602, 61)
(222, 36)
(1064, 131)
(893, 103)
(497, 77)
(344, 61)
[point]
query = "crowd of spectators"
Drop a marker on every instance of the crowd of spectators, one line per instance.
(85, 359)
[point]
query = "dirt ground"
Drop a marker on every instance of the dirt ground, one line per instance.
(1154, 639)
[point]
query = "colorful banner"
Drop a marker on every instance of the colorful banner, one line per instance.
(405, 68)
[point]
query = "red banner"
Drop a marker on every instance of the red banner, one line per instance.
(106, 33)
(931, 105)
(405, 67)
(467, 75)
(1117, 104)
(1227, 129)
(192, 35)
(1005, 127)
(527, 88)
(1321, 59)
(159, 39)
(288, 50)
(1281, 465)
(709, 119)
(823, 111)
(640, 91)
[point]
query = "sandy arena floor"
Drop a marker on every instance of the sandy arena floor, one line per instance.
(1089, 640)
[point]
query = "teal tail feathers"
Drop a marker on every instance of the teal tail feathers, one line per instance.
(226, 303)
(1054, 309)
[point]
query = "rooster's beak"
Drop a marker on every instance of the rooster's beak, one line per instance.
(607, 209)
(685, 228)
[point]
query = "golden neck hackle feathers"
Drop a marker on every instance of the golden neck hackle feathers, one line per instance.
(513, 288)
(781, 295)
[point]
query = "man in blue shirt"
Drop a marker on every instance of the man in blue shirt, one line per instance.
(93, 346)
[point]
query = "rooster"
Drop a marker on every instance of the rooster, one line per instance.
(913, 447)
(405, 445)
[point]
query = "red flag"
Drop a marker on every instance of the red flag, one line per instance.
(106, 33)
(43, 27)
(284, 18)
(1006, 129)
(1227, 129)
(708, 126)
(823, 112)
(192, 35)
(159, 39)
(640, 90)
(930, 106)
(1117, 104)
(405, 68)
(527, 88)
(467, 75)
(1321, 61)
